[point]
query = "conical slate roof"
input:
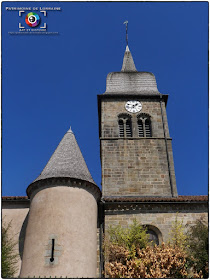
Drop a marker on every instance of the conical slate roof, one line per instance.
(67, 161)
(129, 80)
(128, 63)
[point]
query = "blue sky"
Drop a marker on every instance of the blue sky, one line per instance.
(51, 82)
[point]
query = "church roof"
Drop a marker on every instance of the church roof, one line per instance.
(67, 161)
(129, 80)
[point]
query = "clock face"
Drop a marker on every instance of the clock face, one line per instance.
(133, 106)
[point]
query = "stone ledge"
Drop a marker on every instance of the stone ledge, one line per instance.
(155, 199)
(133, 138)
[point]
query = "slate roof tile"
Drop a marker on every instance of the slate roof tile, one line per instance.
(67, 161)
(128, 63)
(129, 80)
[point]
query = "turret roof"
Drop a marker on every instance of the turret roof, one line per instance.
(67, 161)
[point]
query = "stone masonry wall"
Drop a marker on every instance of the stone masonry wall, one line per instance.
(98, 255)
(135, 166)
(160, 216)
(111, 108)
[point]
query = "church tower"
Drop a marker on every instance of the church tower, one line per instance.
(136, 149)
(61, 234)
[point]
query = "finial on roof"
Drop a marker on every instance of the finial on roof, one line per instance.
(70, 130)
(128, 63)
(126, 23)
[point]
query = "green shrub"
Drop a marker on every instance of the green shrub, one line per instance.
(177, 235)
(9, 257)
(198, 246)
(133, 236)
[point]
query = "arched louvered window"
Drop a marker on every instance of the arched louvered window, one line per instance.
(128, 128)
(148, 128)
(144, 125)
(121, 128)
(125, 125)
(140, 128)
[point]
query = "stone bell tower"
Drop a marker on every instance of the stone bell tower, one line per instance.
(136, 149)
(62, 226)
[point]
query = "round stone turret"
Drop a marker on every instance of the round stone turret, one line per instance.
(61, 234)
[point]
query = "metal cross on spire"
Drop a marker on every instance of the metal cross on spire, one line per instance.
(126, 23)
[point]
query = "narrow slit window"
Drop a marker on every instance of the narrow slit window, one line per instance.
(52, 250)
(140, 128)
(121, 128)
(128, 128)
(148, 128)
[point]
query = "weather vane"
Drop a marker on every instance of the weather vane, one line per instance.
(126, 23)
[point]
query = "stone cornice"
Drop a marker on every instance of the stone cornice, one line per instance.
(63, 181)
(133, 138)
(155, 199)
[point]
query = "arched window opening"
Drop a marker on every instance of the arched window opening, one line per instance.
(140, 128)
(148, 128)
(121, 128)
(125, 125)
(153, 237)
(128, 128)
(144, 125)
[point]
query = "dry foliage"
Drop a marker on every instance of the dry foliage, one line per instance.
(128, 253)
(161, 261)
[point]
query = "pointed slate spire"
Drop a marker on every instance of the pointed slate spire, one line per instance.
(67, 161)
(128, 63)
